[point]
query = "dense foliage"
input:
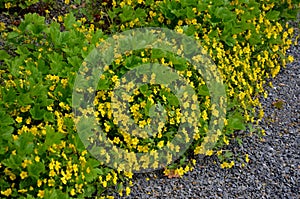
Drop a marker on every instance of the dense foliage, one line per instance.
(42, 156)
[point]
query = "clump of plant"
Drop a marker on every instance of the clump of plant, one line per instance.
(41, 153)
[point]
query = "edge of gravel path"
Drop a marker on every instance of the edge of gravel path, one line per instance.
(274, 167)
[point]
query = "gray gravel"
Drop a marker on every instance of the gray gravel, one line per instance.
(274, 167)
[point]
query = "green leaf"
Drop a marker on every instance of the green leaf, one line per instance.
(49, 117)
(103, 84)
(25, 99)
(52, 137)
(157, 53)
(273, 15)
(5, 119)
(4, 55)
(13, 162)
(230, 41)
(190, 13)
(140, 13)
(22, 50)
(239, 141)
(203, 90)
(144, 89)
(35, 23)
(228, 154)
(52, 193)
(25, 144)
(236, 121)
(225, 14)
(6, 133)
(75, 61)
(289, 14)
(78, 143)
(35, 169)
(55, 33)
(42, 66)
(9, 96)
(69, 20)
(132, 61)
(12, 35)
(255, 39)
(179, 63)
(127, 14)
(171, 98)
(37, 112)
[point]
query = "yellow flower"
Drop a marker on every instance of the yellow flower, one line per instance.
(7, 5)
(12, 176)
(41, 194)
(67, 2)
(2, 26)
(231, 164)
(209, 152)
(7, 192)
(22, 190)
(25, 163)
(180, 30)
(127, 191)
(204, 115)
(60, 19)
(226, 141)
(23, 174)
(51, 182)
(15, 137)
(189, 73)
(160, 144)
(39, 183)
(19, 119)
(247, 158)
(104, 183)
(152, 14)
(187, 168)
(291, 31)
(179, 171)
(290, 58)
(72, 192)
(219, 152)
(224, 165)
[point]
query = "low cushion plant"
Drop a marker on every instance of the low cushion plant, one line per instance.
(41, 153)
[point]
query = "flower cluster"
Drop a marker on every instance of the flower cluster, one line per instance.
(41, 154)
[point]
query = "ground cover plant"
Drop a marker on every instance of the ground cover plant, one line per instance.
(41, 153)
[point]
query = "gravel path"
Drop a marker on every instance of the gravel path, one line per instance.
(274, 167)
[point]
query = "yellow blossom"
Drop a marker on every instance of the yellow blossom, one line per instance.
(72, 192)
(41, 194)
(7, 192)
(19, 119)
(160, 144)
(23, 174)
(127, 191)
(7, 5)
(180, 30)
(22, 190)
(209, 152)
(247, 158)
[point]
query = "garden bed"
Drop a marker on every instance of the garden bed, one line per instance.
(44, 45)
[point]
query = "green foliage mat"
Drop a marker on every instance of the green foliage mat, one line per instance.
(41, 154)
